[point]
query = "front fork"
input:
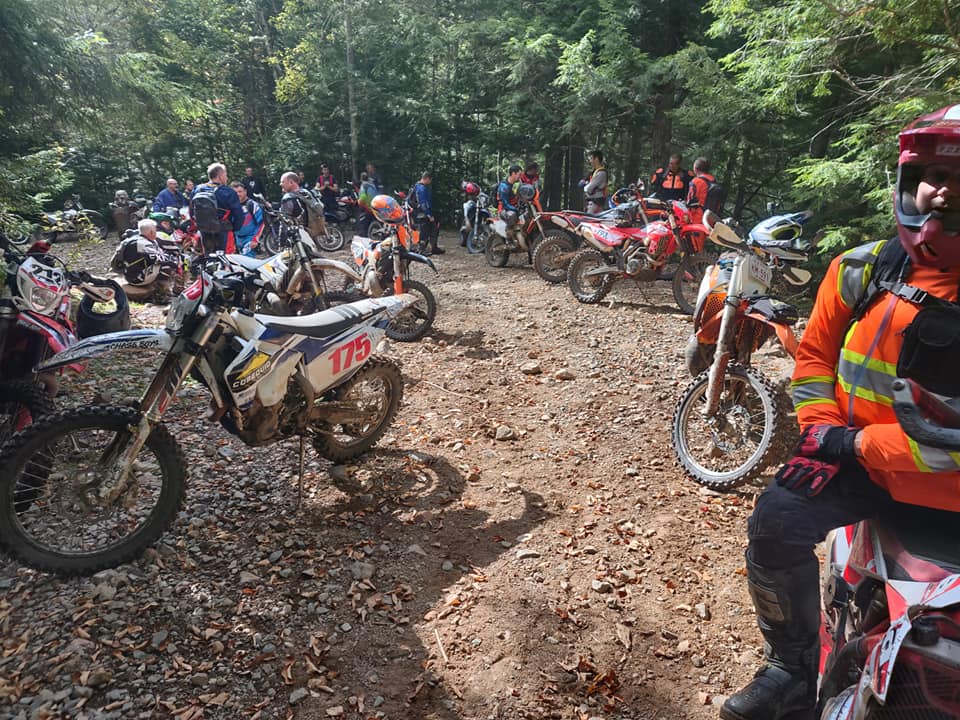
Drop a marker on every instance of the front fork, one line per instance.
(721, 359)
(157, 398)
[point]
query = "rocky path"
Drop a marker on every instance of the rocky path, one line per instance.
(521, 545)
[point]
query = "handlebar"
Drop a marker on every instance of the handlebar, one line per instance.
(925, 417)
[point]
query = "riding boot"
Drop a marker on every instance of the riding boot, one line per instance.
(788, 613)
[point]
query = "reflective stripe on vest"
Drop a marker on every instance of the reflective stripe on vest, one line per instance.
(813, 390)
(870, 378)
(930, 459)
(856, 267)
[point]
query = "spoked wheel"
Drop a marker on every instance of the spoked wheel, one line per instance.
(736, 444)
(374, 396)
(477, 239)
(415, 321)
(275, 238)
(332, 241)
(67, 505)
(21, 403)
(378, 231)
(686, 281)
(495, 249)
(586, 287)
(553, 255)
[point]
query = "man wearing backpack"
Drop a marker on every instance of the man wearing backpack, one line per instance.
(216, 210)
(705, 192)
(422, 202)
(853, 461)
(301, 203)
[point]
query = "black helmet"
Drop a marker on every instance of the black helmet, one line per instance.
(90, 322)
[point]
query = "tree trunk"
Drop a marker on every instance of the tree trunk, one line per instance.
(351, 96)
(662, 126)
(742, 181)
(574, 172)
(553, 178)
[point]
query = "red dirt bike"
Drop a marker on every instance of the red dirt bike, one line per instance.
(35, 324)
(552, 254)
(627, 252)
(890, 630)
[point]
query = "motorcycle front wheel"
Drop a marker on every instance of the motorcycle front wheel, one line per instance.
(686, 281)
(477, 239)
(588, 288)
(553, 255)
(377, 231)
(374, 393)
(55, 477)
(273, 239)
(495, 249)
(735, 445)
(332, 241)
(416, 321)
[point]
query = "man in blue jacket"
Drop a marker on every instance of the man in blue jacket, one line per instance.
(216, 210)
(170, 196)
(423, 215)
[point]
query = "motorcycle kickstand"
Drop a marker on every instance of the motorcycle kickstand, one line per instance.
(300, 476)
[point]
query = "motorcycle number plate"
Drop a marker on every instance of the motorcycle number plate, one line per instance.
(759, 270)
(885, 655)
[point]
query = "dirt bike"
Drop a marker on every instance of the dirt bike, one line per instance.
(553, 254)
(625, 251)
(298, 281)
(34, 324)
(72, 223)
(890, 623)
(728, 420)
(476, 219)
(507, 235)
(120, 474)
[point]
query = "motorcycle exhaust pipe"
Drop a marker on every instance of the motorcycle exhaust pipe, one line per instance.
(608, 270)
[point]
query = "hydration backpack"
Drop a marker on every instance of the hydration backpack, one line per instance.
(715, 196)
(314, 220)
(204, 209)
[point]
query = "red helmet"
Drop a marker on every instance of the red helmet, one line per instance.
(933, 237)
(386, 209)
(471, 188)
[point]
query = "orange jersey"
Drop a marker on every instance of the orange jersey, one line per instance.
(844, 373)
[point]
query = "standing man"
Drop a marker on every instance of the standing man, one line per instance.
(327, 185)
(423, 215)
(216, 210)
(375, 177)
(188, 188)
(301, 203)
(253, 184)
(248, 237)
(368, 191)
(531, 175)
(170, 196)
(854, 461)
(672, 183)
(595, 186)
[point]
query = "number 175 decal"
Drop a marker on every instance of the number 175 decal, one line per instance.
(351, 353)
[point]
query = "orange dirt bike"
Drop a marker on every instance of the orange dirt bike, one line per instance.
(727, 420)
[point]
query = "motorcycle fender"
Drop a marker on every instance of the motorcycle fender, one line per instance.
(417, 257)
(59, 336)
(343, 357)
(147, 339)
(324, 264)
(881, 660)
(784, 333)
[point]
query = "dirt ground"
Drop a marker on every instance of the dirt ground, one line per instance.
(569, 570)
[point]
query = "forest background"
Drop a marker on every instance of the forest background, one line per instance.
(797, 102)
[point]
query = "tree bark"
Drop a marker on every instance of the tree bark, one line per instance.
(351, 94)
(661, 126)
(553, 178)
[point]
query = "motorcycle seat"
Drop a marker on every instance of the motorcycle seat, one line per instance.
(921, 544)
(324, 324)
(248, 263)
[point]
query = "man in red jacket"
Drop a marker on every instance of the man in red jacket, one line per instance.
(853, 461)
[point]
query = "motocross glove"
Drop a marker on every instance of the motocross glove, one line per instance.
(828, 442)
(800, 471)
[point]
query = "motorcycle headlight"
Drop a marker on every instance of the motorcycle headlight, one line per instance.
(43, 300)
(180, 308)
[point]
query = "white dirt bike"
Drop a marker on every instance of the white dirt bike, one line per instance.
(90, 488)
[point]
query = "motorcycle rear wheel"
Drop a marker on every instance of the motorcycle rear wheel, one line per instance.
(70, 453)
(588, 289)
(738, 443)
(376, 388)
(495, 249)
(553, 255)
(332, 241)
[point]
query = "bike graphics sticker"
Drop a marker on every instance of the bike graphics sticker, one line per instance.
(885, 655)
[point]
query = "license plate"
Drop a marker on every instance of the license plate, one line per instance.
(759, 270)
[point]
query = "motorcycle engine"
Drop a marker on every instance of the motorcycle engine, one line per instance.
(639, 265)
(264, 425)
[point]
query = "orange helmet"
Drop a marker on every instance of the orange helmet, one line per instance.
(386, 209)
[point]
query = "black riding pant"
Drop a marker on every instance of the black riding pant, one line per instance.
(429, 232)
(787, 524)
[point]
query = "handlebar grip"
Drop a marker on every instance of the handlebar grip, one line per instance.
(925, 417)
